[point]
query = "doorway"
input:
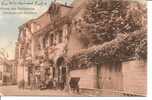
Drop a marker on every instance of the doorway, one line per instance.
(61, 69)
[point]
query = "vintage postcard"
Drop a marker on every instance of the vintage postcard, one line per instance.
(73, 48)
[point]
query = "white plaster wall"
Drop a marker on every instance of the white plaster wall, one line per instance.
(135, 77)
(19, 73)
(87, 77)
(1, 70)
(74, 45)
(110, 77)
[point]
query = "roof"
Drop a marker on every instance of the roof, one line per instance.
(65, 9)
(64, 5)
(36, 20)
(77, 6)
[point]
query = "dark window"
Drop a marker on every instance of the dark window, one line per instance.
(0, 75)
(51, 39)
(44, 42)
(53, 72)
(39, 47)
(60, 37)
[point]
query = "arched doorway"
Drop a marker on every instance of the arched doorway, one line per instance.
(61, 72)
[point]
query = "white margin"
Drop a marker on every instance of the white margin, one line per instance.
(149, 79)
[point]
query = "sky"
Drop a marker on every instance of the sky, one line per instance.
(9, 26)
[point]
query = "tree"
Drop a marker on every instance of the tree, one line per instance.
(104, 19)
(114, 30)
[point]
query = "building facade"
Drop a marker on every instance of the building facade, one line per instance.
(47, 44)
(42, 45)
(8, 73)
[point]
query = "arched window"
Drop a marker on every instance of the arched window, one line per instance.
(60, 37)
(51, 39)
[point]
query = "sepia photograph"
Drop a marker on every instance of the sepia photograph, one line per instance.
(80, 48)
